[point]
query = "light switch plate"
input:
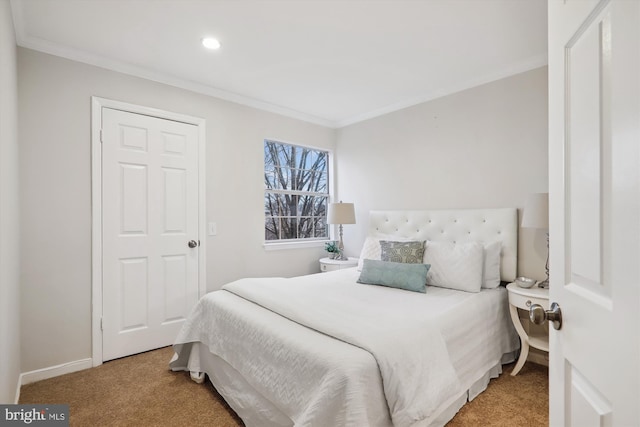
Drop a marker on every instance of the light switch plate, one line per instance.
(213, 229)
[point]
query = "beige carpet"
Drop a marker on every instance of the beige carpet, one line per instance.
(141, 391)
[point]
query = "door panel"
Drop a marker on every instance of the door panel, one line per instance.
(175, 215)
(594, 194)
(176, 289)
(133, 285)
(587, 55)
(150, 212)
(133, 199)
(588, 406)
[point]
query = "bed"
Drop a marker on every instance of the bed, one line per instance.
(325, 350)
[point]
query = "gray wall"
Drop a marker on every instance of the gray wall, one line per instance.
(55, 181)
(484, 147)
(9, 211)
(480, 148)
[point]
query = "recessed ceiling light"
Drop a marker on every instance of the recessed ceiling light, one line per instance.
(210, 43)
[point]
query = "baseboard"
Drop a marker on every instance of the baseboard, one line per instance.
(540, 359)
(52, 371)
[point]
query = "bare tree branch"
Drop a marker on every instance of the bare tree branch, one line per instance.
(292, 170)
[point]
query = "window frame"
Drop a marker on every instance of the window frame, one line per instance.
(299, 242)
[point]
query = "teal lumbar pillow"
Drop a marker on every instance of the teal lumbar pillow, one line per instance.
(410, 277)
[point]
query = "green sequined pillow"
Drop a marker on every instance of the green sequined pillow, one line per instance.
(404, 252)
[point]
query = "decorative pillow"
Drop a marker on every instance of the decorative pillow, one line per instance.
(406, 252)
(371, 248)
(491, 271)
(455, 266)
(410, 277)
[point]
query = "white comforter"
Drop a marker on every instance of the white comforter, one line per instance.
(391, 324)
(395, 326)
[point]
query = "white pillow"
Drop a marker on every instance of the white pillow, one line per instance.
(371, 248)
(455, 265)
(491, 271)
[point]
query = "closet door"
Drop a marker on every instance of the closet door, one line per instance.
(149, 230)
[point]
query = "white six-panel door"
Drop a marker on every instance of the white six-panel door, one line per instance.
(149, 215)
(594, 190)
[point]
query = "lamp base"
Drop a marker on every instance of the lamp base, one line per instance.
(341, 256)
(545, 283)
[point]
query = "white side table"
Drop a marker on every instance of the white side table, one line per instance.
(523, 298)
(328, 264)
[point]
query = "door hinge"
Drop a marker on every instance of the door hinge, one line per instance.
(101, 136)
(101, 324)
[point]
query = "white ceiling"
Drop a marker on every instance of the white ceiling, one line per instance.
(331, 62)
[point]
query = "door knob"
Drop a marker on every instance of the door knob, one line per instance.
(538, 315)
(192, 244)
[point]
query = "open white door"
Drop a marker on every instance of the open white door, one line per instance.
(594, 158)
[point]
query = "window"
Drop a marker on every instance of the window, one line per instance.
(296, 192)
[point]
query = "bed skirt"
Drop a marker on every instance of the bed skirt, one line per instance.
(255, 410)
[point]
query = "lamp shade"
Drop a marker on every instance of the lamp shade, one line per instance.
(341, 213)
(536, 211)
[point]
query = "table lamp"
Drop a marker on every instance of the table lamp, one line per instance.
(341, 213)
(536, 215)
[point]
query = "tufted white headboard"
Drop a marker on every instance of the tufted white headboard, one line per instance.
(460, 225)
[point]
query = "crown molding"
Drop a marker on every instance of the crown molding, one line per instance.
(45, 46)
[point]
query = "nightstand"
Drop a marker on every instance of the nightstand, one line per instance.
(523, 298)
(328, 264)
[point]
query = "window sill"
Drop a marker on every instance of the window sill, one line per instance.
(294, 245)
